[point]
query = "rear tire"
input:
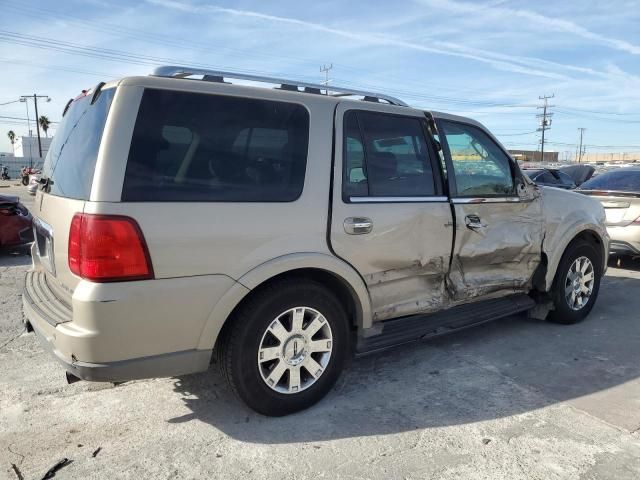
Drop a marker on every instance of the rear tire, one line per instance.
(577, 283)
(286, 347)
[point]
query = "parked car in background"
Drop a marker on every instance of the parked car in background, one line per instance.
(550, 177)
(579, 173)
(619, 192)
(283, 229)
(15, 222)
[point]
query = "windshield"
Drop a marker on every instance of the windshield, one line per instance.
(532, 173)
(621, 180)
(74, 150)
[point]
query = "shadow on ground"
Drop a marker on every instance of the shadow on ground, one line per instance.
(508, 367)
(626, 262)
(15, 256)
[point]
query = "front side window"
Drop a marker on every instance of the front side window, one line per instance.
(480, 167)
(385, 156)
(211, 148)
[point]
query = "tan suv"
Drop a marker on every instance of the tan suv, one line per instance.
(182, 218)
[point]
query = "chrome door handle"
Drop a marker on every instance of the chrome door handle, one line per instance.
(358, 225)
(473, 221)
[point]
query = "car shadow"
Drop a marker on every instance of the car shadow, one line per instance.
(15, 256)
(626, 262)
(508, 367)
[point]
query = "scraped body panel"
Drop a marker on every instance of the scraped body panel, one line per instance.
(500, 256)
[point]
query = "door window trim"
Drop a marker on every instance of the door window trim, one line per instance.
(453, 191)
(432, 156)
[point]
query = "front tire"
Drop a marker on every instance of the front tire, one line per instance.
(286, 347)
(577, 283)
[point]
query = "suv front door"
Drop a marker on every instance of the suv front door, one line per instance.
(390, 219)
(498, 241)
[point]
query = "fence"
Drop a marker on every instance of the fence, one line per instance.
(15, 164)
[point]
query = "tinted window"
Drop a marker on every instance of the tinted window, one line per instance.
(622, 180)
(199, 147)
(546, 177)
(385, 156)
(480, 166)
(564, 178)
(532, 174)
(72, 155)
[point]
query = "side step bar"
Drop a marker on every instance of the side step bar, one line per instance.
(416, 327)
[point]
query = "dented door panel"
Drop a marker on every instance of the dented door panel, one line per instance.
(502, 255)
(404, 259)
(401, 246)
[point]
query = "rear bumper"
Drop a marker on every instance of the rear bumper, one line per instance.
(164, 365)
(623, 248)
(119, 332)
(625, 240)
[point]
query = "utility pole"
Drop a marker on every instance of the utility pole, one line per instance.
(35, 98)
(580, 149)
(545, 122)
(325, 69)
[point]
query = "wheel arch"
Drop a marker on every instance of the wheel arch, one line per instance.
(589, 234)
(340, 277)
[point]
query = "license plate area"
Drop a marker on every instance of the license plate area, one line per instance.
(43, 233)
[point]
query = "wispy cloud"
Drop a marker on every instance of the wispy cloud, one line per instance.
(500, 13)
(499, 61)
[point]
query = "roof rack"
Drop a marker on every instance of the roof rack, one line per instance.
(294, 85)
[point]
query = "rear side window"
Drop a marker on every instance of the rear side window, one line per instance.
(385, 156)
(72, 155)
(211, 148)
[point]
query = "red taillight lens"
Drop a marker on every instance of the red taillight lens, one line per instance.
(108, 248)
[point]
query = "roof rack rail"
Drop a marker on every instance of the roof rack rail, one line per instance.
(215, 75)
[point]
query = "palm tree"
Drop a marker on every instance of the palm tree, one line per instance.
(12, 136)
(44, 124)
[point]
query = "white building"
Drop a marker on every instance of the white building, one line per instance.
(27, 147)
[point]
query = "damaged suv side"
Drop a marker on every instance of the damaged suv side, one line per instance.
(279, 230)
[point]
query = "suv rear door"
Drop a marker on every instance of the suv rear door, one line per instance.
(390, 219)
(498, 240)
(68, 172)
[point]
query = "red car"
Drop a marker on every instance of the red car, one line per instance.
(15, 222)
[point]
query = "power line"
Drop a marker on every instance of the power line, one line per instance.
(20, 118)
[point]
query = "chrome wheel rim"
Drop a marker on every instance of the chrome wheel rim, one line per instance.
(295, 350)
(578, 285)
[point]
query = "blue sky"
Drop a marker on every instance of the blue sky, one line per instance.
(490, 60)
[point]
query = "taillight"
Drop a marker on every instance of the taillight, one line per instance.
(108, 248)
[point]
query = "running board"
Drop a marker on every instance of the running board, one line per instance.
(416, 327)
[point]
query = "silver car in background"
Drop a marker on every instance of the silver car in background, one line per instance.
(619, 192)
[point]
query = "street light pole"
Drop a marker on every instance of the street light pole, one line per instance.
(35, 98)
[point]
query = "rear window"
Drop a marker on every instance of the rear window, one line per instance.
(621, 180)
(72, 156)
(211, 148)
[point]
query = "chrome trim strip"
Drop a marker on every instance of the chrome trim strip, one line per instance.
(397, 199)
(486, 200)
(184, 72)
